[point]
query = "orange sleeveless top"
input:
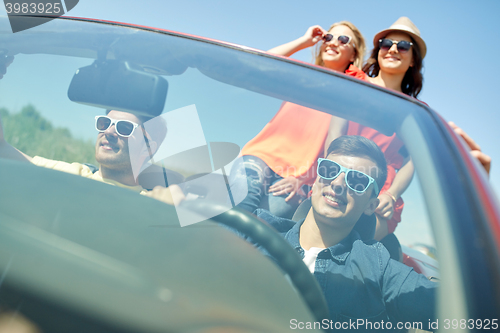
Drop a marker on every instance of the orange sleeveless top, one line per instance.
(292, 141)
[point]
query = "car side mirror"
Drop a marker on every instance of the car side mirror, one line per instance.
(119, 85)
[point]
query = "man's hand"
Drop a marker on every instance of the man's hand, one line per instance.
(385, 207)
(171, 195)
(289, 185)
(475, 150)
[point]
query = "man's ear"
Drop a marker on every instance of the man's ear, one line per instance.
(372, 205)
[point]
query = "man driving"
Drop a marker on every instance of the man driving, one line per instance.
(358, 278)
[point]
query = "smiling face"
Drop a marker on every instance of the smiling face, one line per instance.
(338, 206)
(335, 55)
(111, 150)
(392, 61)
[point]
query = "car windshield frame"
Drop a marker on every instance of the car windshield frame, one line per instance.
(459, 202)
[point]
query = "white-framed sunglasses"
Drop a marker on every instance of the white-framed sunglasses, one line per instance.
(342, 39)
(356, 180)
(123, 128)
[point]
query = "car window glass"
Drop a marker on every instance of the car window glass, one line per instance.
(217, 101)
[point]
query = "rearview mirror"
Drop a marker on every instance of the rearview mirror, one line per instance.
(118, 85)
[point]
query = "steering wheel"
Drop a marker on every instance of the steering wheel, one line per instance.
(265, 236)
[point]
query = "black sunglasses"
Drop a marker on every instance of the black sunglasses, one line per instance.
(403, 46)
(355, 180)
(124, 128)
(343, 39)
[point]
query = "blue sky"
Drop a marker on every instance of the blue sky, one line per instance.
(462, 39)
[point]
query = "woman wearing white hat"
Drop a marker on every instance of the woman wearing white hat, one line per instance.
(396, 60)
(394, 63)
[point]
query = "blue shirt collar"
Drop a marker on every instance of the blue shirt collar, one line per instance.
(339, 251)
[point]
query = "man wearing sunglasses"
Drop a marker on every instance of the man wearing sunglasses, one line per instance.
(358, 278)
(116, 130)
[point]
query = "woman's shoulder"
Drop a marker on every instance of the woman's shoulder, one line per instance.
(356, 72)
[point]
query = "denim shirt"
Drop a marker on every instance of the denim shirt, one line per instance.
(360, 281)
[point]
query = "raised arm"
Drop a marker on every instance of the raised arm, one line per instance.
(9, 152)
(400, 183)
(338, 127)
(313, 35)
(475, 150)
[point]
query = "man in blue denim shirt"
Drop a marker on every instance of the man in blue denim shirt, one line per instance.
(364, 288)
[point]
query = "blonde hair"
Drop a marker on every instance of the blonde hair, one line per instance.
(359, 45)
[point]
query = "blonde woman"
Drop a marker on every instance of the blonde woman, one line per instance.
(283, 156)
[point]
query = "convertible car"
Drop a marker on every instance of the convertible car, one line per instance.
(78, 255)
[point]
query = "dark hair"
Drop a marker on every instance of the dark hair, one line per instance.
(156, 129)
(413, 79)
(358, 146)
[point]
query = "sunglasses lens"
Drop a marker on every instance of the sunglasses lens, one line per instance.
(102, 123)
(328, 169)
(328, 37)
(357, 181)
(124, 128)
(404, 46)
(385, 44)
(344, 39)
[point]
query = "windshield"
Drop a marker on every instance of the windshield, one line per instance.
(188, 110)
(204, 103)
